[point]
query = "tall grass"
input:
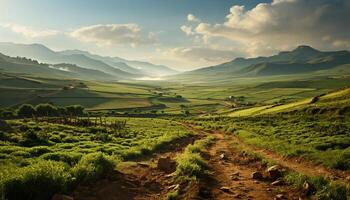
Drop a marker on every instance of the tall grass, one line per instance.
(190, 164)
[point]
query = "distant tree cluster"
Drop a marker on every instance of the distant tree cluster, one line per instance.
(48, 110)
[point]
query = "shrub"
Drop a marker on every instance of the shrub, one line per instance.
(46, 110)
(38, 181)
(32, 138)
(26, 110)
(92, 167)
(38, 151)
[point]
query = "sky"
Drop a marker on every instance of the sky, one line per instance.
(182, 34)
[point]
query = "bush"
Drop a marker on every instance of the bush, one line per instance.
(46, 110)
(38, 181)
(92, 167)
(26, 110)
(32, 138)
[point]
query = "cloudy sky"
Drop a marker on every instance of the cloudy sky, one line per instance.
(183, 34)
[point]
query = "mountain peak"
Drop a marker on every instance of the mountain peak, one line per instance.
(305, 48)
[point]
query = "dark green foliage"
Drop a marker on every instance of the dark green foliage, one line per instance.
(26, 110)
(46, 110)
(34, 138)
(75, 110)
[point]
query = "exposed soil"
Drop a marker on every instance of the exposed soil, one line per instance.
(231, 177)
(297, 164)
(136, 180)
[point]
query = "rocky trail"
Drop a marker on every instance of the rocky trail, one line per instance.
(237, 176)
(234, 174)
(293, 163)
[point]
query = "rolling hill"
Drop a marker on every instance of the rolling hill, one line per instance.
(43, 54)
(34, 68)
(303, 59)
(134, 67)
(118, 67)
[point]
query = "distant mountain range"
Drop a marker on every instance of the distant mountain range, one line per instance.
(79, 61)
(77, 64)
(303, 59)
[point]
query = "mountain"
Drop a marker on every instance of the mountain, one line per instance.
(32, 67)
(108, 60)
(46, 55)
(303, 59)
(135, 67)
(149, 68)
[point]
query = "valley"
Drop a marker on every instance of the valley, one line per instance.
(240, 130)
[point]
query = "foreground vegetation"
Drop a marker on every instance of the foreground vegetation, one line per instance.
(39, 159)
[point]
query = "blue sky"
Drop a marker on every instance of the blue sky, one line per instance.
(161, 31)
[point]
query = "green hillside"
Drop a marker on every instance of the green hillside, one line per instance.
(303, 59)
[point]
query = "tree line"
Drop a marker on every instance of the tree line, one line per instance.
(43, 110)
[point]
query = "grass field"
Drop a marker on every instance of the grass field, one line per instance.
(56, 157)
(318, 131)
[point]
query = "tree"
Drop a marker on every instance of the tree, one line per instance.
(46, 110)
(26, 110)
(61, 111)
(76, 110)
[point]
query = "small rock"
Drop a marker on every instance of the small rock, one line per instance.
(268, 189)
(306, 187)
(222, 156)
(174, 187)
(166, 164)
(225, 189)
(274, 172)
(61, 197)
(279, 196)
(257, 175)
(238, 196)
(236, 174)
(277, 182)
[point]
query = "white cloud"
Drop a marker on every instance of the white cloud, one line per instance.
(29, 32)
(187, 30)
(201, 56)
(192, 18)
(114, 34)
(283, 24)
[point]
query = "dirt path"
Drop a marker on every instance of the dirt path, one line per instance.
(136, 180)
(296, 164)
(231, 177)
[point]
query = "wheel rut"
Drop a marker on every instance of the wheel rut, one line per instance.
(231, 177)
